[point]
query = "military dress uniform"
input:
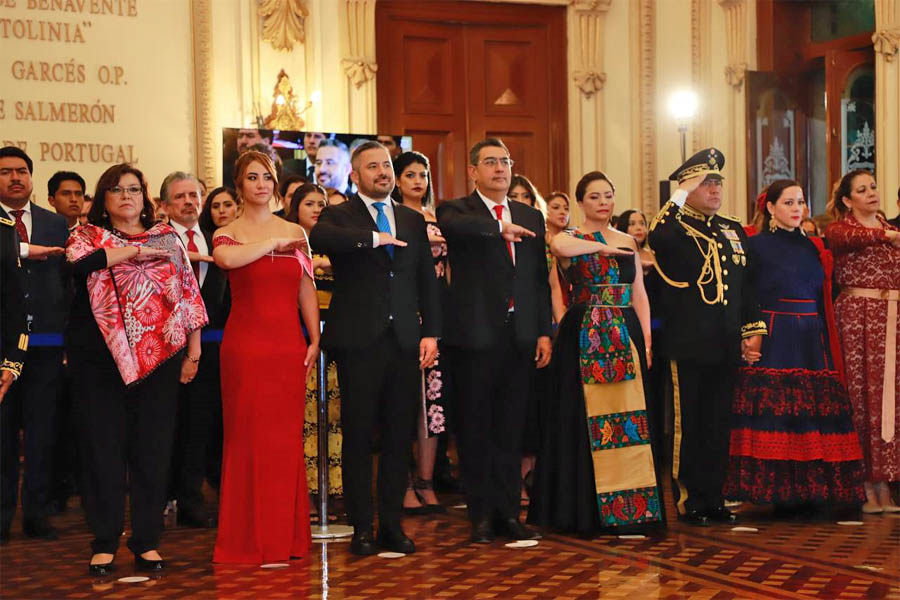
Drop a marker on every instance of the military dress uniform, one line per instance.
(707, 308)
(13, 324)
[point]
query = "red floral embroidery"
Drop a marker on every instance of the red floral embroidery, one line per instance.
(144, 309)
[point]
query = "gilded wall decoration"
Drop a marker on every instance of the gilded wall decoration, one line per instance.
(283, 22)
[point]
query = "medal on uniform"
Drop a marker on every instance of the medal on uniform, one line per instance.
(736, 258)
(736, 246)
(743, 261)
(730, 234)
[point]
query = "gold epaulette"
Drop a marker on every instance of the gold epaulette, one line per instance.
(730, 218)
(6, 221)
(660, 216)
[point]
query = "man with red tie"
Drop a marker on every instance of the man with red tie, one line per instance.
(198, 433)
(32, 404)
(498, 330)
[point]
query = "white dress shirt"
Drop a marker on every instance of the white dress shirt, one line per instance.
(388, 212)
(507, 216)
(202, 248)
(26, 219)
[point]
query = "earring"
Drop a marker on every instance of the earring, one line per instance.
(105, 216)
(772, 225)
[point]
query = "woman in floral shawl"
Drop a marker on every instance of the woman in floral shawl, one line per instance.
(136, 308)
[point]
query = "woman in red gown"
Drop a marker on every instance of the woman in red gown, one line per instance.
(264, 505)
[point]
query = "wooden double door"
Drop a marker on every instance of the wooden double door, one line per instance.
(452, 73)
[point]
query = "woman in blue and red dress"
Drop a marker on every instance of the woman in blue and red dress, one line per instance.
(792, 439)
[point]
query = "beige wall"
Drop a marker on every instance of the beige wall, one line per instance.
(155, 112)
(153, 104)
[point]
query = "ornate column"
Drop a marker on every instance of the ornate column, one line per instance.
(736, 36)
(358, 61)
(642, 23)
(701, 71)
(587, 76)
(887, 98)
(204, 133)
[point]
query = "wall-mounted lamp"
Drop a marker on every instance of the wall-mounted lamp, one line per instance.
(683, 107)
(285, 114)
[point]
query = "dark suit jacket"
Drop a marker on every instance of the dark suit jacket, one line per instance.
(13, 326)
(372, 292)
(895, 221)
(214, 291)
(46, 281)
(483, 277)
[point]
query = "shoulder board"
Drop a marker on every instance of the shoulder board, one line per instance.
(9, 222)
(730, 218)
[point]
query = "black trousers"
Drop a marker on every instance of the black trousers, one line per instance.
(380, 387)
(124, 432)
(702, 400)
(199, 406)
(65, 454)
(492, 388)
(31, 406)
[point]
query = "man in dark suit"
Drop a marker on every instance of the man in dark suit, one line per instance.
(32, 403)
(199, 401)
(382, 329)
(498, 328)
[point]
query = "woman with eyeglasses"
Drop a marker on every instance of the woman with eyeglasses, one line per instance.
(133, 334)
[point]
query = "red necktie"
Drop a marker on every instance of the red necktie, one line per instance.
(499, 210)
(192, 247)
(20, 225)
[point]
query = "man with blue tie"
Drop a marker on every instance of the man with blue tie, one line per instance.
(382, 329)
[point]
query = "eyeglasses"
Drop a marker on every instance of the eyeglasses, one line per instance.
(492, 162)
(132, 190)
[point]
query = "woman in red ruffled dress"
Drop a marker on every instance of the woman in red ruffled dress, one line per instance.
(792, 438)
(264, 506)
(867, 269)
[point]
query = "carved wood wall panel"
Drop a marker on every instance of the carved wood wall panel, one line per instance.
(492, 71)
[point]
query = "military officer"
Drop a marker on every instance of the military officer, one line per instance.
(13, 326)
(712, 322)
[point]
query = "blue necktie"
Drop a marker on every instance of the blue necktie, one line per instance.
(384, 226)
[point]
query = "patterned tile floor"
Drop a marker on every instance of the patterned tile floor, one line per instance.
(790, 559)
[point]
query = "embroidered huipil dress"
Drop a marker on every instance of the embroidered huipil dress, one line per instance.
(595, 472)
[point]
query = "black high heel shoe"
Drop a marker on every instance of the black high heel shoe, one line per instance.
(143, 564)
(427, 484)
